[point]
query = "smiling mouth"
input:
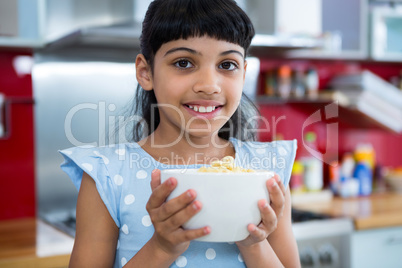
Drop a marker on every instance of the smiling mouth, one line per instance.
(202, 109)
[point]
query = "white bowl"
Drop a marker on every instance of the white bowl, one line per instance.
(229, 200)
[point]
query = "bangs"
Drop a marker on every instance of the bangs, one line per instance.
(183, 19)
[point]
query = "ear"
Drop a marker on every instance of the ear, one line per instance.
(143, 72)
(245, 69)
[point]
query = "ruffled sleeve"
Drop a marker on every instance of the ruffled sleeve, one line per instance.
(276, 156)
(95, 164)
(283, 158)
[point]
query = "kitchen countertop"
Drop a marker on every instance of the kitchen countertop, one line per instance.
(379, 210)
(32, 243)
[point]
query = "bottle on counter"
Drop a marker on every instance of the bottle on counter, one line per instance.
(364, 175)
(296, 179)
(313, 167)
(364, 152)
(334, 176)
(347, 167)
(379, 183)
(348, 186)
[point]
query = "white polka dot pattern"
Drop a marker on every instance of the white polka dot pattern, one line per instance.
(210, 254)
(123, 261)
(88, 167)
(181, 261)
(118, 180)
(240, 258)
(146, 221)
(129, 199)
(124, 229)
(142, 174)
(128, 191)
(120, 152)
(282, 151)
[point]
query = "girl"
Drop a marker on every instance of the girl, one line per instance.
(191, 71)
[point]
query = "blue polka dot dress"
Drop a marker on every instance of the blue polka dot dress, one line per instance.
(122, 174)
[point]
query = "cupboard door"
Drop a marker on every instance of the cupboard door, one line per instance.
(17, 179)
(377, 248)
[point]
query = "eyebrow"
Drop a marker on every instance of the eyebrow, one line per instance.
(230, 52)
(192, 51)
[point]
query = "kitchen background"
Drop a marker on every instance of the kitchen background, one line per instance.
(325, 72)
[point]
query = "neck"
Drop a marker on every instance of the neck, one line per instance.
(186, 149)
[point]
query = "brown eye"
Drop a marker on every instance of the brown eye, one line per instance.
(228, 66)
(183, 64)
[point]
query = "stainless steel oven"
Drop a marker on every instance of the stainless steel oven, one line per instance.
(322, 241)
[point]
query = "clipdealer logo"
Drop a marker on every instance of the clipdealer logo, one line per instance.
(116, 129)
(328, 115)
(113, 129)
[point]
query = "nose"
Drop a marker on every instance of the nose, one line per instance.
(207, 82)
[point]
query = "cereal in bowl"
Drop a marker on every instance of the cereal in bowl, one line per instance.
(225, 165)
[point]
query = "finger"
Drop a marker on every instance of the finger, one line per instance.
(188, 235)
(276, 196)
(155, 179)
(257, 234)
(268, 216)
(280, 183)
(178, 207)
(161, 192)
(173, 224)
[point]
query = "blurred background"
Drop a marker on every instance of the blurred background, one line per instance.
(325, 72)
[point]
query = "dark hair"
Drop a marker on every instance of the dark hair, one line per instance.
(169, 20)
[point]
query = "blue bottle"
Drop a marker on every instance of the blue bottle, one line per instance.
(364, 175)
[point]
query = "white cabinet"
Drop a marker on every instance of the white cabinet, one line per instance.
(386, 32)
(345, 31)
(20, 23)
(377, 248)
(285, 17)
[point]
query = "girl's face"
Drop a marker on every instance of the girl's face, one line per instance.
(198, 84)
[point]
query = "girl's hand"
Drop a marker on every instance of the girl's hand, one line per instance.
(270, 213)
(168, 217)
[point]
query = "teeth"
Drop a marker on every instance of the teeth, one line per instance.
(202, 109)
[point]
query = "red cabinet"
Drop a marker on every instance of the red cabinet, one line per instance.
(17, 167)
